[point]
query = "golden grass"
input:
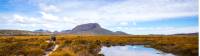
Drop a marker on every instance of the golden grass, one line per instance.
(23, 45)
(77, 45)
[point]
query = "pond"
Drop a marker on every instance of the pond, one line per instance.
(128, 50)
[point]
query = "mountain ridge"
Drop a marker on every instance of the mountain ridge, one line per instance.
(93, 29)
(83, 29)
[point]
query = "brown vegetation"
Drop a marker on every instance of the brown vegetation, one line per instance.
(74, 45)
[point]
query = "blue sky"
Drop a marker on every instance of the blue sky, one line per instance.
(131, 16)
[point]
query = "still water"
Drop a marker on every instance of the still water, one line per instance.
(136, 50)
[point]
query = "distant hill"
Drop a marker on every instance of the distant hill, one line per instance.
(92, 28)
(84, 29)
(66, 31)
(15, 32)
(187, 34)
(41, 30)
(120, 33)
(21, 32)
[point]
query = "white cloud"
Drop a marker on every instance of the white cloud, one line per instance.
(23, 20)
(128, 10)
(19, 19)
(124, 23)
(66, 14)
(49, 8)
(49, 17)
(158, 30)
(147, 10)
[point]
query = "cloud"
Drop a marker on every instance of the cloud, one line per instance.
(49, 17)
(147, 10)
(125, 10)
(49, 8)
(44, 21)
(111, 14)
(157, 30)
(23, 20)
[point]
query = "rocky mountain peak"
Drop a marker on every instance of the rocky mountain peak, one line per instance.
(85, 27)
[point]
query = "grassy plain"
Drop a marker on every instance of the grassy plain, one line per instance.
(78, 45)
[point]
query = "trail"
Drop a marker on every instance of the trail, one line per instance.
(50, 50)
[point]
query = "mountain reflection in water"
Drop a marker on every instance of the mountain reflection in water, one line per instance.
(136, 50)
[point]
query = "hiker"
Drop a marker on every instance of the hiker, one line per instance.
(53, 38)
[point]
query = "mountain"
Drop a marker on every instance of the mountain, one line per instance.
(84, 29)
(65, 31)
(120, 33)
(196, 33)
(21, 32)
(92, 28)
(41, 30)
(15, 32)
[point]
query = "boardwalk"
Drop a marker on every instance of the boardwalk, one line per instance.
(51, 49)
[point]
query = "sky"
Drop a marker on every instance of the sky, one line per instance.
(131, 16)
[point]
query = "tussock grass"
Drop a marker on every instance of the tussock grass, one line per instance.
(79, 45)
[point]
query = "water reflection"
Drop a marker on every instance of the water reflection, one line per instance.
(136, 50)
